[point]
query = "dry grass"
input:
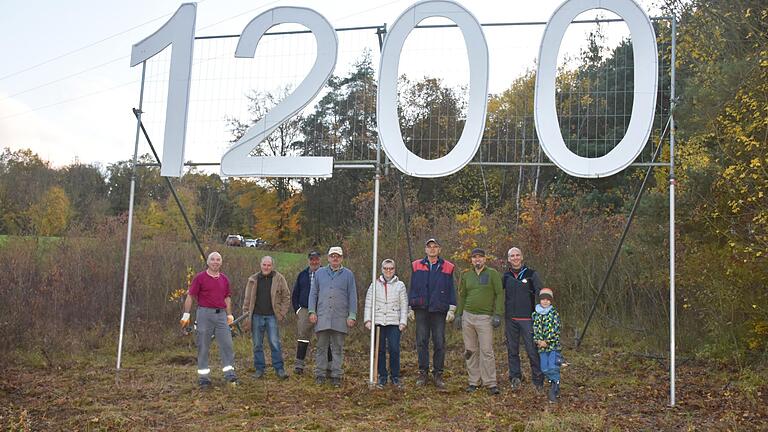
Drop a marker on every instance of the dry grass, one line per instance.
(156, 390)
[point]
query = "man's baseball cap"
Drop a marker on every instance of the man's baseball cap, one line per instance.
(478, 251)
(336, 250)
(431, 240)
(313, 254)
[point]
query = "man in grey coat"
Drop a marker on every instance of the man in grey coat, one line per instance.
(333, 310)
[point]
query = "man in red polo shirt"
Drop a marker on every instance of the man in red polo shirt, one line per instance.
(210, 288)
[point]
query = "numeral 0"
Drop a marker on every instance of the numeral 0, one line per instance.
(179, 31)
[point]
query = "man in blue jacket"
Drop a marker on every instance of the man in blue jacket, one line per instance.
(300, 302)
(432, 299)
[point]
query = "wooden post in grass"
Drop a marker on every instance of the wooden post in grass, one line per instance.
(376, 357)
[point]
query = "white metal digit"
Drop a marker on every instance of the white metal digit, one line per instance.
(236, 161)
(645, 85)
(179, 32)
(388, 123)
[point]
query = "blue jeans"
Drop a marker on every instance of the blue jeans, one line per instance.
(550, 364)
(260, 324)
(389, 340)
(430, 324)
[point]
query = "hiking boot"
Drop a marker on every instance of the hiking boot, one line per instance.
(439, 383)
(298, 371)
(336, 382)
(281, 374)
(554, 390)
(396, 382)
(471, 388)
(515, 383)
(493, 390)
(204, 384)
(319, 380)
(258, 374)
(421, 380)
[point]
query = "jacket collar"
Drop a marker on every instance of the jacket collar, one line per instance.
(262, 275)
(392, 281)
(439, 262)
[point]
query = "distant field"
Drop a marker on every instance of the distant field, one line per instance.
(283, 260)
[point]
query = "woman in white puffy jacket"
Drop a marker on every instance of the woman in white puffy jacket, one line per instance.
(391, 318)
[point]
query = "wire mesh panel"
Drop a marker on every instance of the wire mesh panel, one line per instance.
(229, 94)
(594, 92)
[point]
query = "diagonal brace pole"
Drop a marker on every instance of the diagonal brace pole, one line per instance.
(631, 216)
(137, 113)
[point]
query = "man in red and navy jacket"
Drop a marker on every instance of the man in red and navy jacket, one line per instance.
(432, 299)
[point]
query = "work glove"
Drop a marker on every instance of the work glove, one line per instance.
(230, 319)
(451, 314)
(457, 322)
(184, 322)
(411, 314)
(496, 321)
(368, 325)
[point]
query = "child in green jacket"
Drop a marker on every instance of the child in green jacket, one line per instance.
(546, 334)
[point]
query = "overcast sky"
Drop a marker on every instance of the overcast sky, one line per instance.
(66, 88)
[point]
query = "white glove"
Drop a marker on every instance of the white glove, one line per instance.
(451, 314)
(411, 314)
(230, 319)
(184, 320)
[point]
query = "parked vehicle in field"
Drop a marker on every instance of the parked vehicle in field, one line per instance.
(251, 243)
(235, 240)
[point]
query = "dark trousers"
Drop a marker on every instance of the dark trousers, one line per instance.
(389, 340)
(514, 331)
(430, 324)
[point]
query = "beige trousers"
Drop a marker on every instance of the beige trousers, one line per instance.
(478, 343)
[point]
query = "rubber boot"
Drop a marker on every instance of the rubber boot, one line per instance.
(554, 391)
(301, 354)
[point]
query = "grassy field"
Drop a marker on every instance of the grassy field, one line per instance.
(603, 389)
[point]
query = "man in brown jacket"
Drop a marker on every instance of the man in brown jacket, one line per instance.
(267, 301)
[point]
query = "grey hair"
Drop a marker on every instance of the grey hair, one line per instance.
(267, 257)
(509, 252)
(388, 261)
(210, 255)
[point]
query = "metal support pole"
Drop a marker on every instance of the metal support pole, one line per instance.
(374, 257)
(672, 183)
(130, 218)
(374, 269)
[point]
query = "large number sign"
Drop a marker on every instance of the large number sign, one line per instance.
(179, 32)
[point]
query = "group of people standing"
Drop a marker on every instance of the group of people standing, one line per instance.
(324, 299)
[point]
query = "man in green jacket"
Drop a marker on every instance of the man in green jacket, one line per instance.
(481, 303)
